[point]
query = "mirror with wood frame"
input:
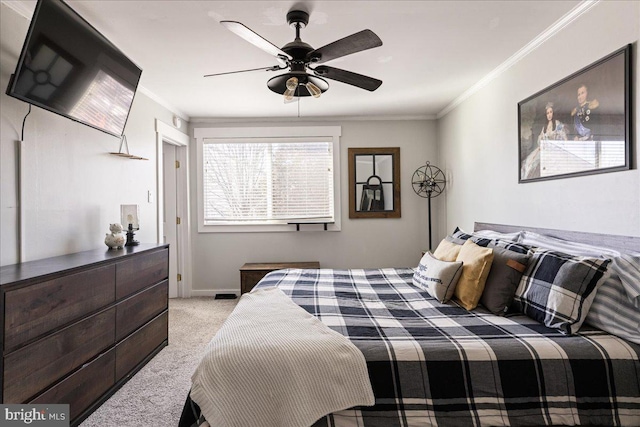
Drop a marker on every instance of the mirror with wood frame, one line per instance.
(374, 182)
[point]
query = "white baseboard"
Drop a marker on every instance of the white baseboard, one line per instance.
(213, 292)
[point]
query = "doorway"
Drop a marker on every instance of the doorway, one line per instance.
(173, 205)
(170, 225)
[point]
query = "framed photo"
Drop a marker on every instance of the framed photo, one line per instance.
(578, 126)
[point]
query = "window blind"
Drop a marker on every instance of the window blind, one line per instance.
(268, 181)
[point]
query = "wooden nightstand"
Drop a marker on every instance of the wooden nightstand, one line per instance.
(251, 273)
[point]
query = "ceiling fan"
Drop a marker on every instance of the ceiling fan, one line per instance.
(305, 77)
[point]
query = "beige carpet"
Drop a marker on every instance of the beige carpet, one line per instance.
(156, 394)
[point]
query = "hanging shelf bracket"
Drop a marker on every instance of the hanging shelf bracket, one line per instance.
(125, 144)
(297, 224)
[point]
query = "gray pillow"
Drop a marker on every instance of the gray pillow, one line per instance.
(502, 282)
(438, 278)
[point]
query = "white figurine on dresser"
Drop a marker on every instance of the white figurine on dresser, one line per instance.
(115, 239)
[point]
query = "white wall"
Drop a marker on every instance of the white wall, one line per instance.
(478, 140)
(73, 187)
(362, 243)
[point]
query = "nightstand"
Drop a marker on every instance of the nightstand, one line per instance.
(251, 272)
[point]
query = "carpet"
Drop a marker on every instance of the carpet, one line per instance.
(156, 394)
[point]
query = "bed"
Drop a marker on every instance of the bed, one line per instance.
(433, 363)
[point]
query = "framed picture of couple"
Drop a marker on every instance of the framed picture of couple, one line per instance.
(579, 125)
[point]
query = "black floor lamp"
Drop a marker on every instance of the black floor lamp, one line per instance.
(428, 181)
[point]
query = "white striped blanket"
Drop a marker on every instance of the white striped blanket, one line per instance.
(273, 364)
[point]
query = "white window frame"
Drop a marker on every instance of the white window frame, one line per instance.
(332, 133)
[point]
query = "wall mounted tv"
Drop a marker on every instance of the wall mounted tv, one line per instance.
(66, 66)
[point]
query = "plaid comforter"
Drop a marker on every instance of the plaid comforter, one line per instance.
(439, 364)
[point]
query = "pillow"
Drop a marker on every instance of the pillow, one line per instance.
(438, 278)
(513, 246)
(612, 311)
(558, 289)
(566, 246)
(447, 251)
(503, 279)
(459, 234)
(459, 237)
(455, 240)
(476, 263)
(490, 234)
(486, 234)
(627, 267)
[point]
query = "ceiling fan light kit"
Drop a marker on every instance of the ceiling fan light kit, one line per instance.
(304, 77)
(278, 84)
(292, 85)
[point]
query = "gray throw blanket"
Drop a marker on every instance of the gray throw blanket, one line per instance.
(272, 364)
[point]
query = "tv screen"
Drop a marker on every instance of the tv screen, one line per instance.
(68, 67)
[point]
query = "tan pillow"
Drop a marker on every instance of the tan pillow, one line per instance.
(447, 251)
(476, 263)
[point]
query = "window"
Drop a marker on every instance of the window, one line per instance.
(266, 179)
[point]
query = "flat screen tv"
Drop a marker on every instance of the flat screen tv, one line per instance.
(66, 66)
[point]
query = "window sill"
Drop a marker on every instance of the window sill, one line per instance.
(267, 228)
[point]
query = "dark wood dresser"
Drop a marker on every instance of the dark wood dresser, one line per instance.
(76, 327)
(252, 272)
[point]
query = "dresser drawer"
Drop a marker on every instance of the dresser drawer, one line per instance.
(84, 386)
(135, 311)
(135, 348)
(40, 308)
(35, 367)
(140, 272)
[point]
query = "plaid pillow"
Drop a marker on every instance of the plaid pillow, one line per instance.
(459, 234)
(615, 306)
(459, 237)
(557, 289)
(486, 235)
(512, 246)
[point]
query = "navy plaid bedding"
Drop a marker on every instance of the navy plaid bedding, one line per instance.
(439, 364)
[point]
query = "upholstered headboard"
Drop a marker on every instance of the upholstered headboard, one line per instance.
(623, 243)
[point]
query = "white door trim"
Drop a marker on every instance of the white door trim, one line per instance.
(170, 135)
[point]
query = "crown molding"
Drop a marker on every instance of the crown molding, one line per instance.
(19, 7)
(163, 103)
(219, 120)
(555, 28)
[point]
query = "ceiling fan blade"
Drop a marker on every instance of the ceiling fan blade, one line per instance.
(348, 77)
(255, 39)
(274, 68)
(365, 39)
